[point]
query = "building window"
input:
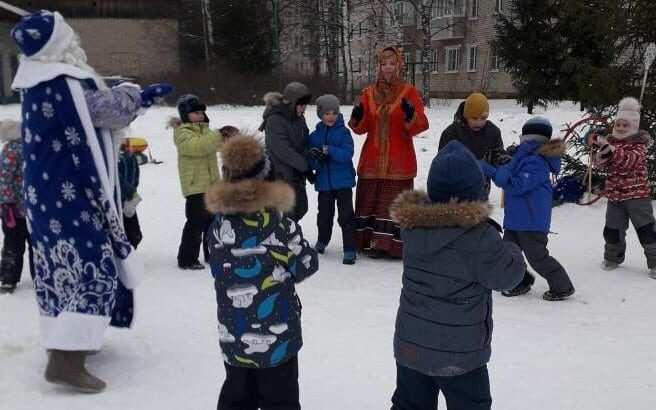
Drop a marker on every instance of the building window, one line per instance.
(494, 58)
(433, 61)
(451, 65)
(396, 14)
(406, 58)
(498, 6)
(474, 7)
(472, 57)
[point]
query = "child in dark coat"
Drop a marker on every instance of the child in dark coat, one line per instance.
(128, 176)
(475, 131)
(624, 158)
(331, 155)
(527, 212)
(256, 256)
(452, 260)
(14, 224)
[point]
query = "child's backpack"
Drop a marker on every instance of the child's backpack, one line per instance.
(568, 189)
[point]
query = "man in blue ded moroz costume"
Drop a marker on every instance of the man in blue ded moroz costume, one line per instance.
(85, 267)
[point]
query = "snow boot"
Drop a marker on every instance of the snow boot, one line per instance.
(191, 266)
(7, 288)
(609, 265)
(67, 368)
(553, 296)
(523, 287)
(320, 247)
(349, 258)
(652, 273)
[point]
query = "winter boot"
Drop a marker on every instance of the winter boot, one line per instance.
(67, 368)
(320, 247)
(523, 287)
(553, 296)
(191, 266)
(609, 265)
(652, 273)
(7, 288)
(349, 258)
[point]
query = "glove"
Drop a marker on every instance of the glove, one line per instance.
(511, 149)
(605, 152)
(358, 113)
(10, 213)
(310, 176)
(130, 207)
(500, 157)
(408, 109)
(488, 169)
(317, 154)
(155, 93)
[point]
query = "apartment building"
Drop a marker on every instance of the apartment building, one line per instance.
(462, 58)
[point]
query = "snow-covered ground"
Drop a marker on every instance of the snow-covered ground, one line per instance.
(595, 351)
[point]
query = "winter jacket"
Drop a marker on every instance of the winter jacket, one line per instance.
(527, 183)
(256, 257)
(396, 158)
(626, 170)
(485, 144)
(285, 136)
(337, 171)
(128, 175)
(198, 167)
(11, 174)
(453, 257)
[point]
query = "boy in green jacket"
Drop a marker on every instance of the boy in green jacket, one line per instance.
(198, 168)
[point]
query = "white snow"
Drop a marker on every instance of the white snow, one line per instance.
(595, 351)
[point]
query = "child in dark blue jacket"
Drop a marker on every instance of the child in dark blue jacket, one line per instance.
(527, 214)
(331, 155)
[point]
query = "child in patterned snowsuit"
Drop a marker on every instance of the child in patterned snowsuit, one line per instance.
(256, 256)
(14, 225)
(624, 158)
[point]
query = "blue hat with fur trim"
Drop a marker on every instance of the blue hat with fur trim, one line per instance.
(455, 173)
(42, 33)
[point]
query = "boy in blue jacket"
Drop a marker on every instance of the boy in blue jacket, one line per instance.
(331, 155)
(527, 214)
(257, 255)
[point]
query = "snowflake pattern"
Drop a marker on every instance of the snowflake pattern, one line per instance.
(55, 226)
(47, 109)
(37, 138)
(68, 191)
(56, 145)
(97, 222)
(58, 97)
(84, 216)
(31, 195)
(28, 135)
(72, 136)
(34, 107)
(18, 36)
(34, 33)
(45, 176)
(76, 160)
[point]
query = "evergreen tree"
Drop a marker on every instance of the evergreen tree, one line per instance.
(243, 35)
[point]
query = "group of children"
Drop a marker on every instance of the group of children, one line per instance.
(256, 254)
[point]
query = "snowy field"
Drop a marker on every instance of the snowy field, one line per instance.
(594, 351)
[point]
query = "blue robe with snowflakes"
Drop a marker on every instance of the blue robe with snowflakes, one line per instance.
(83, 261)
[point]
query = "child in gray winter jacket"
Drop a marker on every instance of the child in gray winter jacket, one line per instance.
(452, 260)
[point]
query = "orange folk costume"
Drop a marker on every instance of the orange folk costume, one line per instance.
(388, 164)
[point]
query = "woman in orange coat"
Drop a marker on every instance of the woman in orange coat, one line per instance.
(390, 112)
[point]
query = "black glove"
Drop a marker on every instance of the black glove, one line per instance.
(310, 176)
(358, 113)
(317, 154)
(511, 149)
(500, 157)
(408, 109)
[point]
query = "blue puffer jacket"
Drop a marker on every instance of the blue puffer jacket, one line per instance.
(337, 172)
(527, 183)
(257, 256)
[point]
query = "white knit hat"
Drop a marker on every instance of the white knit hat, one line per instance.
(629, 110)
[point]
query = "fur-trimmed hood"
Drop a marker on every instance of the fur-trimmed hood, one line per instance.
(248, 196)
(641, 137)
(414, 209)
(552, 148)
(272, 98)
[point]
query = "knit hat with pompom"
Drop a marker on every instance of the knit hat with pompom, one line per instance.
(628, 110)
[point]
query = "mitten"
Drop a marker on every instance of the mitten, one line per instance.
(130, 207)
(358, 113)
(310, 176)
(317, 154)
(605, 153)
(408, 109)
(155, 93)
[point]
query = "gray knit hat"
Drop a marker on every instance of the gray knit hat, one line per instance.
(327, 102)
